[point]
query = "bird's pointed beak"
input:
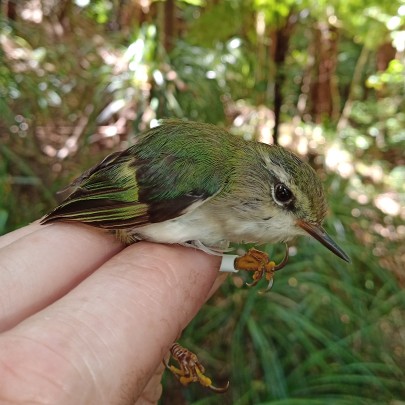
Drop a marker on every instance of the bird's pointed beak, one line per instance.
(317, 232)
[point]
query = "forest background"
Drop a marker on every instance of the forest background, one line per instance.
(79, 79)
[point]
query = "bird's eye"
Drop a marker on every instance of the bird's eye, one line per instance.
(282, 194)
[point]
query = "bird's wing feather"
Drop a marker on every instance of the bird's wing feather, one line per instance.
(104, 196)
(136, 187)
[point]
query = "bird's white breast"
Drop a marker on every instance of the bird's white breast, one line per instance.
(213, 227)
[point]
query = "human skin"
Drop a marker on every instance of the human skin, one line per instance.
(86, 320)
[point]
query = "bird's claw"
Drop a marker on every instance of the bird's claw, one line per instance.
(260, 263)
(190, 369)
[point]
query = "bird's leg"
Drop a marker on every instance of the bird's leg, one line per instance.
(190, 369)
(260, 263)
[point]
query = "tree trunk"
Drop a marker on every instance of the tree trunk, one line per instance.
(324, 88)
(169, 24)
(280, 42)
(11, 8)
(385, 54)
(306, 82)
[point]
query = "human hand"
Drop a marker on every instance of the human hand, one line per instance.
(74, 335)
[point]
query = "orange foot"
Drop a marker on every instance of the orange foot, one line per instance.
(191, 370)
(260, 263)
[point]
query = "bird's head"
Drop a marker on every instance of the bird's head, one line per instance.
(297, 196)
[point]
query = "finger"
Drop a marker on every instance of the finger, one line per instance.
(19, 233)
(43, 265)
(102, 342)
(153, 390)
(221, 277)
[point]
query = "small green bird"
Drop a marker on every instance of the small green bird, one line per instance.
(196, 184)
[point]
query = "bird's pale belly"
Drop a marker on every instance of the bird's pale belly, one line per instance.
(213, 229)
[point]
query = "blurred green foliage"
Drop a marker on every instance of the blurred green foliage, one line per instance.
(79, 79)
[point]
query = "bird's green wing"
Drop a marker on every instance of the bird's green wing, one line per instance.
(140, 186)
(104, 196)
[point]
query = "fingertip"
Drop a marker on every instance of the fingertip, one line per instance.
(42, 263)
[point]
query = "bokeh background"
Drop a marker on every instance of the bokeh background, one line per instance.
(79, 79)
